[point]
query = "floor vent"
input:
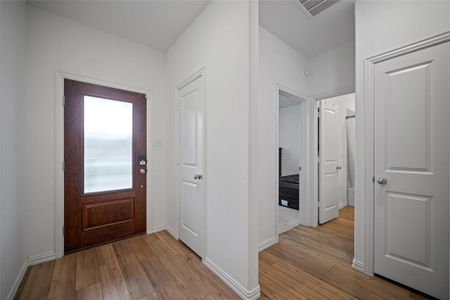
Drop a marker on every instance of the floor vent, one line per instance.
(314, 7)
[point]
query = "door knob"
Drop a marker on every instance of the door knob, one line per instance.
(338, 167)
(198, 176)
(381, 180)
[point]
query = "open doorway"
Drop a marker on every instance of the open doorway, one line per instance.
(290, 157)
(336, 157)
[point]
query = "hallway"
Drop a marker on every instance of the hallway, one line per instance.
(153, 266)
(316, 263)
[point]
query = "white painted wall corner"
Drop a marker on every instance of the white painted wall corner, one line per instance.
(358, 265)
(267, 243)
(30, 261)
(233, 284)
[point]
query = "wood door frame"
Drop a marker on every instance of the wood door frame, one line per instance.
(198, 74)
(59, 152)
(367, 116)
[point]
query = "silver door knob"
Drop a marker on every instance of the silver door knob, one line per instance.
(381, 180)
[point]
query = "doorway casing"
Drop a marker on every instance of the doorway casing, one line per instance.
(59, 153)
(200, 74)
(364, 219)
(364, 209)
(306, 105)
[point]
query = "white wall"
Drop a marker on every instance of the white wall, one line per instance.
(403, 22)
(342, 103)
(218, 40)
(58, 44)
(289, 137)
(12, 73)
(329, 73)
(332, 72)
(279, 65)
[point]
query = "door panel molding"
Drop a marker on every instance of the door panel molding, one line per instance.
(328, 162)
(93, 215)
(60, 76)
(366, 223)
(306, 190)
(181, 183)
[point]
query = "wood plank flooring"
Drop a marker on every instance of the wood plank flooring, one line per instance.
(145, 267)
(315, 263)
(307, 263)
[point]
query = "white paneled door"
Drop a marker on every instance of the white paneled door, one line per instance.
(412, 98)
(191, 181)
(328, 157)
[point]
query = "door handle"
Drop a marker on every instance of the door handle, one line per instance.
(381, 180)
(338, 167)
(198, 176)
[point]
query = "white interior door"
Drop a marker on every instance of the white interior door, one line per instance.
(328, 157)
(412, 99)
(191, 186)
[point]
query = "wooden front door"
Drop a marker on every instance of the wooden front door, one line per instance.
(104, 164)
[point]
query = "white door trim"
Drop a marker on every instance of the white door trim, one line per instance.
(305, 104)
(198, 74)
(313, 213)
(59, 152)
(368, 121)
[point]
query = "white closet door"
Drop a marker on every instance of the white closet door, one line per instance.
(328, 166)
(191, 186)
(412, 99)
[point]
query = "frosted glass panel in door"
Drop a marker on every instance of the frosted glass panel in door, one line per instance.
(108, 137)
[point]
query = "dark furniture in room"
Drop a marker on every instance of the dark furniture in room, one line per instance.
(288, 187)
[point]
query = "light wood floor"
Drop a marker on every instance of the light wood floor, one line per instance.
(154, 266)
(308, 263)
(315, 263)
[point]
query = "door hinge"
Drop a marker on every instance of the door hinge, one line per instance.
(64, 100)
(373, 178)
(63, 165)
(63, 230)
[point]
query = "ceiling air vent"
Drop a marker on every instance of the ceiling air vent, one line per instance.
(315, 7)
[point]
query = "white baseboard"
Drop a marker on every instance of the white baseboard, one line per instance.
(342, 205)
(233, 284)
(37, 259)
(292, 226)
(267, 243)
(172, 231)
(157, 228)
(358, 265)
(29, 261)
(17, 282)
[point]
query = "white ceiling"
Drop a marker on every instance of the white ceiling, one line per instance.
(155, 23)
(286, 101)
(309, 35)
